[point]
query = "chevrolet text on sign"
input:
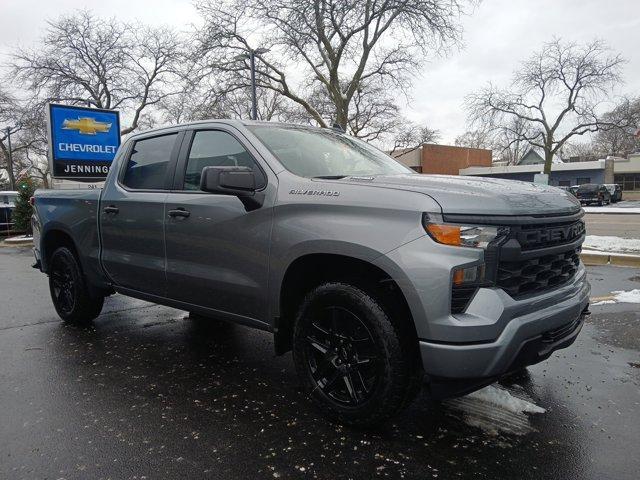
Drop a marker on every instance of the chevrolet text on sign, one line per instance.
(83, 141)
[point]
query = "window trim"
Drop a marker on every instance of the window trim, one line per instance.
(183, 159)
(171, 165)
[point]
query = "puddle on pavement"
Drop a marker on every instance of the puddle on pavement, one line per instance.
(496, 410)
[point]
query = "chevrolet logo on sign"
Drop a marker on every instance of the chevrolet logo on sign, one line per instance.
(86, 126)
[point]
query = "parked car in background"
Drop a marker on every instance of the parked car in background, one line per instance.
(593, 193)
(615, 191)
(7, 204)
(574, 190)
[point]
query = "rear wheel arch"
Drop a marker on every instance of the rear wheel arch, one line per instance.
(54, 239)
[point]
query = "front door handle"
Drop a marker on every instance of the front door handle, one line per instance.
(179, 212)
(111, 209)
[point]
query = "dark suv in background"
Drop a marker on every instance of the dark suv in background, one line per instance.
(593, 193)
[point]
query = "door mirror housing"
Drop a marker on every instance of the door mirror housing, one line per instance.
(238, 181)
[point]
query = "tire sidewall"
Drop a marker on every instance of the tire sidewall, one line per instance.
(387, 345)
(63, 254)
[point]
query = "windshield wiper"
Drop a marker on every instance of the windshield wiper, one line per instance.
(330, 177)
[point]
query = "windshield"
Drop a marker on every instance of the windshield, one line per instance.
(323, 153)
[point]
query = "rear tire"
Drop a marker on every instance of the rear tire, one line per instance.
(69, 291)
(352, 359)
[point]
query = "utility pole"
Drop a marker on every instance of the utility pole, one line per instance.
(12, 178)
(251, 55)
(254, 96)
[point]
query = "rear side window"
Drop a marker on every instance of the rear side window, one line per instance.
(215, 148)
(147, 165)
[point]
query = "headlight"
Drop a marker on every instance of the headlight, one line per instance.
(475, 236)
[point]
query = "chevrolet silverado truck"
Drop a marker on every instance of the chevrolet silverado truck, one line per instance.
(380, 280)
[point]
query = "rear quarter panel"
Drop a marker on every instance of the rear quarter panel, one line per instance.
(74, 212)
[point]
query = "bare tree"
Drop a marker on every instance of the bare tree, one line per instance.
(335, 45)
(8, 118)
(476, 138)
(410, 137)
(554, 94)
(28, 142)
(621, 140)
(105, 63)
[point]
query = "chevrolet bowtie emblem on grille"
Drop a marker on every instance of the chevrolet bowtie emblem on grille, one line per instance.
(86, 125)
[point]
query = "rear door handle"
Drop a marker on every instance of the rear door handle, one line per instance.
(179, 212)
(111, 209)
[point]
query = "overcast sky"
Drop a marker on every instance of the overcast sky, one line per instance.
(497, 37)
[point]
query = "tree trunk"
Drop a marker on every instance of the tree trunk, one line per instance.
(342, 115)
(548, 161)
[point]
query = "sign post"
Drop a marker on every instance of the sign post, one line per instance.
(82, 141)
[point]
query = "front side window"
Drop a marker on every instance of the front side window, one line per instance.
(323, 153)
(147, 165)
(215, 148)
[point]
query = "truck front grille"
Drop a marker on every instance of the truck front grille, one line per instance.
(536, 275)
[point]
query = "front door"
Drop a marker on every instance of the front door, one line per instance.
(218, 249)
(132, 215)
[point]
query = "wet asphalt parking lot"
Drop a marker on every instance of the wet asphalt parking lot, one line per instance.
(148, 393)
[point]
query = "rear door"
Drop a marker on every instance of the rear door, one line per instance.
(218, 249)
(132, 214)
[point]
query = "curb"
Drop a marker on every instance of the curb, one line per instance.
(16, 244)
(610, 259)
(18, 241)
(586, 212)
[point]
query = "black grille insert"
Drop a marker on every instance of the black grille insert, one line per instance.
(461, 296)
(537, 274)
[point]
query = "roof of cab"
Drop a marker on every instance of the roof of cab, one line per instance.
(227, 121)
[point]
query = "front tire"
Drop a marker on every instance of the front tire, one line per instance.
(69, 291)
(352, 359)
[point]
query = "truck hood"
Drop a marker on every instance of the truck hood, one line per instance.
(481, 195)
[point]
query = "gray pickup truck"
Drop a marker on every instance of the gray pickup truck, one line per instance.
(380, 280)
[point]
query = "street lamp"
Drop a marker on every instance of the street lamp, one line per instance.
(252, 65)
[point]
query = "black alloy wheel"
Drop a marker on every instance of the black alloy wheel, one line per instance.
(69, 291)
(63, 287)
(341, 356)
(354, 357)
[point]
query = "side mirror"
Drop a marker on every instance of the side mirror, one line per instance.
(238, 181)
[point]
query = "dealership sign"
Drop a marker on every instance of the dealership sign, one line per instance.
(82, 141)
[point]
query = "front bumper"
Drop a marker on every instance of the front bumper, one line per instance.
(526, 322)
(496, 333)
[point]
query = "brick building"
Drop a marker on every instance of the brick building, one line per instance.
(443, 159)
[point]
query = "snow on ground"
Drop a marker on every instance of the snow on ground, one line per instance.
(503, 399)
(607, 209)
(621, 296)
(496, 410)
(612, 244)
(632, 296)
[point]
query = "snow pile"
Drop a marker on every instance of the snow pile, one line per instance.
(503, 399)
(495, 410)
(632, 296)
(620, 296)
(612, 244)
(634, 210)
